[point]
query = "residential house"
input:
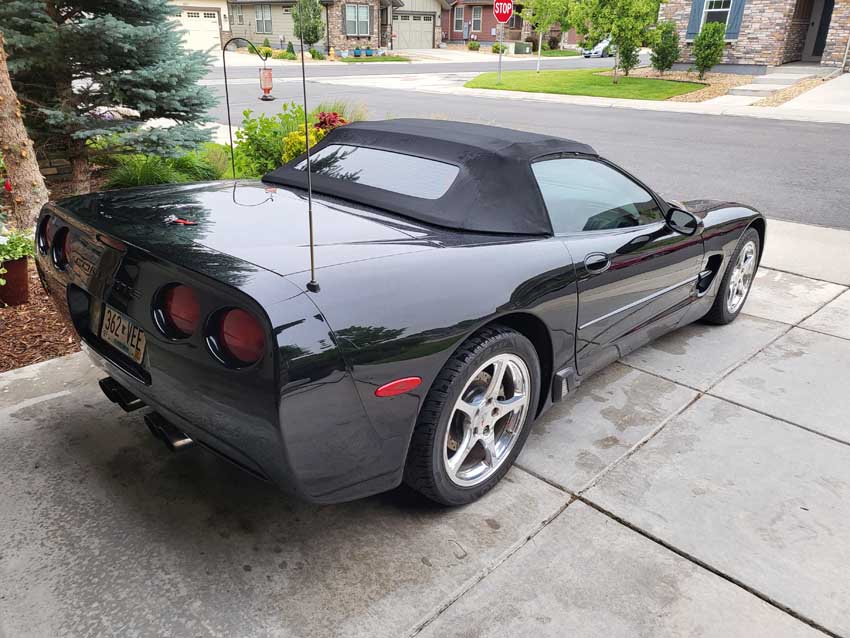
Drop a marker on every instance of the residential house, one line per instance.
(762, 33)
(391, 24)
(205, 23)
(465, 20)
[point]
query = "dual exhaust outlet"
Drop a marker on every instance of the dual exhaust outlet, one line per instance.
(174, 439)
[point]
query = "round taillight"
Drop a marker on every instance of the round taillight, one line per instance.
(241, 336)
(61, 248)
(41, 237)
(181, 310)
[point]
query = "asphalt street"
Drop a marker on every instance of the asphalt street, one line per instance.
(389, 68)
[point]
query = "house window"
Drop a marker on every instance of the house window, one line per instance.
(716, 11)
(193, 14)
(237, 11)
(515, 21)
(263, 13)
(427, 18)
(803, 10)
(287, 10)
(405, 18)
(177, 13)
(417, 18)
(458, 19)
(476, 18)
(209, 14)
(357, 20)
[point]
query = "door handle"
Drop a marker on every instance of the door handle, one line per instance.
(596, 263)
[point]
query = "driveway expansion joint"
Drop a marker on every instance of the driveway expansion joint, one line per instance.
(697, 561)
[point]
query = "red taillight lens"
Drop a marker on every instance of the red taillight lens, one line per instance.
(241, 336)
(181, 309)
(399, 386)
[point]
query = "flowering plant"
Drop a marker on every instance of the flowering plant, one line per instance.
(329, 121)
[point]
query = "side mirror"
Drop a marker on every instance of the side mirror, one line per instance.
(682, 221)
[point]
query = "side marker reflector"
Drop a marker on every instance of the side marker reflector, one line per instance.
(399, 386)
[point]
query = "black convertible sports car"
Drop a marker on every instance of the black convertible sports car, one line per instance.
(468, 278)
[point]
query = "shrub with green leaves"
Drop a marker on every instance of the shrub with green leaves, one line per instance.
(629, 57)
(284, 55)
(265, 51)
(266, 43)
(258, 142)
(293, 144)
(473, 45)
(499, 48)
(708, 47)
(316, 54)
(290, 48)
(665, 47)
(149, 170)
(14, 245)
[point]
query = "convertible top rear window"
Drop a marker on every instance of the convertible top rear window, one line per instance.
(395, 172)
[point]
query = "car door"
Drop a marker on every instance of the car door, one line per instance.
(636, 276)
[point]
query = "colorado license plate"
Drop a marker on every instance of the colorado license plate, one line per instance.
(120, 332)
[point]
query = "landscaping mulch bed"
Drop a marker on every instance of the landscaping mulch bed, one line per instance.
(35, 331)
(716, 84)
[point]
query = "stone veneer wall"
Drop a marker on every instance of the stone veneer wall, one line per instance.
(795, 40)
(763, 35)
(336, 24)
(839, 32)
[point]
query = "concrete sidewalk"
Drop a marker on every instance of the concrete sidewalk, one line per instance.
(701, 486)
(453, 83)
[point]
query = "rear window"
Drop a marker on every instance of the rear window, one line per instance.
(395, 172)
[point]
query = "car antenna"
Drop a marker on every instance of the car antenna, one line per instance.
(312, 285)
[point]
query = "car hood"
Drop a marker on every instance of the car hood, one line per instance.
(258, 223)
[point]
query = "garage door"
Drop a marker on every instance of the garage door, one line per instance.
(201, 29)
(414, 31)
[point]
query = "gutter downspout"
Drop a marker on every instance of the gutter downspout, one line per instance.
(846, 53)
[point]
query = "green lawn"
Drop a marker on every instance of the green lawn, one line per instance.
(375, 58)
(583, 82)
(559, 53)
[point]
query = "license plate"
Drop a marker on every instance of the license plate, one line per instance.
(120, 332)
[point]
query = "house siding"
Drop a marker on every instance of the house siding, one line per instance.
(762, 39)
(770, 35)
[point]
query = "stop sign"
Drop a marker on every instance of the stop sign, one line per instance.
(503, 10)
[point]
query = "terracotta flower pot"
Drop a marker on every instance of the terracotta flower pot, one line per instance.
(16, 291)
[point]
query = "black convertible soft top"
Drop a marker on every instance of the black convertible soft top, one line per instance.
(494, 191)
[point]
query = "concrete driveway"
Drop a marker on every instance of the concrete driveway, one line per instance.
(699, 487)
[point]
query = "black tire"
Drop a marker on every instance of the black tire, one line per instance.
(425, 469)
(719, 314)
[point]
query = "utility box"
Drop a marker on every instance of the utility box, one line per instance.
(522, 48)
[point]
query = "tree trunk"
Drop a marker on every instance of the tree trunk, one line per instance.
(539, 49)
(29, 193)
(616, 65)
(80, 174)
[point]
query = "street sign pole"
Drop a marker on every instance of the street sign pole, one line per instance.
(502, 11)
(501, 46)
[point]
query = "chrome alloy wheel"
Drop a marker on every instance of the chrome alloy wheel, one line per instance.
(486, 420)
(742, 277)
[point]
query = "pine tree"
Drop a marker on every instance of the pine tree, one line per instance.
(91, 73)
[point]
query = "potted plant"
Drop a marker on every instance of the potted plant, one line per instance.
(15, 247)
(369, 51)
(357, 51)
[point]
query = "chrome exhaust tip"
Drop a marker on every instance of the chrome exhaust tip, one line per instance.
(117, 393)
(174, 439)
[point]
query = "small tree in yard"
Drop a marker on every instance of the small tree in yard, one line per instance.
(708, 47)
(665, 47)
(101, 70)
(28, 193)
(625, 22)
(542, 14)
(307, 21)
(629, 57)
